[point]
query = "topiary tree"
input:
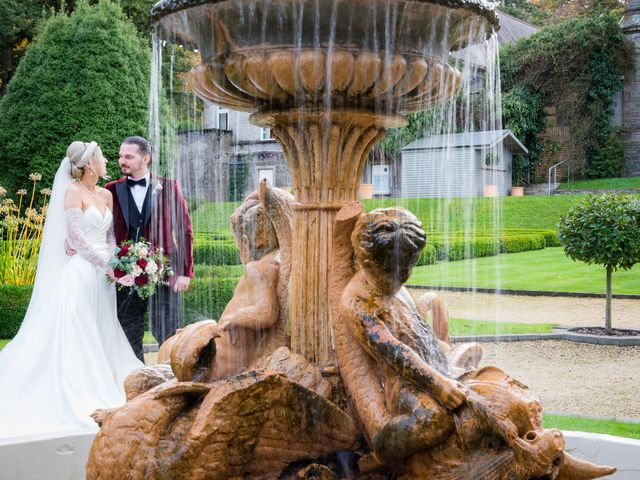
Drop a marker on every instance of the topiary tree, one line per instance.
(86, 77)
(604, 230)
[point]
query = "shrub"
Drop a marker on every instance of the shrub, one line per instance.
(86, 77)
(215, 252)
(21, 228)
(582, 84)
(522, 243)
(604, 230)
(14, 301)
(207, 298)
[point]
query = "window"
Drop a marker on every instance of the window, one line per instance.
(265, 134)
(380, 174)
(268, 173)
(223, 120)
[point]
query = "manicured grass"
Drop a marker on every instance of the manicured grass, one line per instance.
(484, 214)
(436, 214)
(463, 326)
(213, 217)
(149, 338)
(593, 425)
(603, 184)
(3, 342)
(540, 270)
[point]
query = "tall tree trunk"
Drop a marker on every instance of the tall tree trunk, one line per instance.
(607, 317)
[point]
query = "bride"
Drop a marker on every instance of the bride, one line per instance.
(70, 356)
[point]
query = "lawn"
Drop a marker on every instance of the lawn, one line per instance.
(484, 214)
(463, 326)
(593, 425)
(603, 184)
(436, 214)
(540, 270)
(149, 338)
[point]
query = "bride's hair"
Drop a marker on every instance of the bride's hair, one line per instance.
(81, 154)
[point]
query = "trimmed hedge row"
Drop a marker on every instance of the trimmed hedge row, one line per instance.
(207, 298)
(14, 301)
(215, 252)
(458, 247)
(452, 246)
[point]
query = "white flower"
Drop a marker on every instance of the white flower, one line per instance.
(127, 280)
(136, 270)
(142, 252)
(152, 267)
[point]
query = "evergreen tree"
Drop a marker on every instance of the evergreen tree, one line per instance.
(86, 77)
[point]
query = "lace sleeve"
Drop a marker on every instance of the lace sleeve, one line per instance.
(77, 240)
(111, 239)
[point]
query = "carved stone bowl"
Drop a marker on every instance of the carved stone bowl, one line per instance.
(383, 56)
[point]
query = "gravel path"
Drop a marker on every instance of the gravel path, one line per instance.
(565, 311)
(574, 378)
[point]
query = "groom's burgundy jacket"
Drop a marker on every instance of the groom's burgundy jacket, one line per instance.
(167, 221)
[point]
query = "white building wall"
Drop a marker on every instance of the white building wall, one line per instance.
(455, 172)
(438, 173)
(243, 130)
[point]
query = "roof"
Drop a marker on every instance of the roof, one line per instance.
(511, 30)
(479, 140)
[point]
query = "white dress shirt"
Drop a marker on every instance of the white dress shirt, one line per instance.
(139, 192)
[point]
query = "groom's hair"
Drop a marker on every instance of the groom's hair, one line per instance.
(143, 145)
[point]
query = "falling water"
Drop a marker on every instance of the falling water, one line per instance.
(215, 165)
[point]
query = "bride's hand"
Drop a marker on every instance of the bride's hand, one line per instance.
(110, 274)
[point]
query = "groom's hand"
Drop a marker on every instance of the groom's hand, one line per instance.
(181, 283)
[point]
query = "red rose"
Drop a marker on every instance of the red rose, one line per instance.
(118, 273)
(123, 251)
(142, 263)
(141, 280)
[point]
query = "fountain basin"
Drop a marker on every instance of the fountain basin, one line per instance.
(381, 56)
(61, 456)
(64, 457)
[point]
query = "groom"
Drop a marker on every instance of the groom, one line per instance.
(152, 207)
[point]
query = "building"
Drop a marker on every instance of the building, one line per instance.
(254, 155)
(459, 165)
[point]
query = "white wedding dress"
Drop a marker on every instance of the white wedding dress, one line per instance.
(70, 356)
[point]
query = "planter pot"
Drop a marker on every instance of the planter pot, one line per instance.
(366, 190)
(517, 191)
(490, 190)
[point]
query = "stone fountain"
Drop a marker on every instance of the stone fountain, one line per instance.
(322, 364)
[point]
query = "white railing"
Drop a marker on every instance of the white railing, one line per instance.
(553, 168)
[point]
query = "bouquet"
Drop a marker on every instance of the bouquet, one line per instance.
(140, 267)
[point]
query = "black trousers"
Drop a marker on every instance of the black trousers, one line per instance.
(164, 314)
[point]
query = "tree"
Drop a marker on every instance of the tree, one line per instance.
(19, 20)
(604, 230)
(86, 77)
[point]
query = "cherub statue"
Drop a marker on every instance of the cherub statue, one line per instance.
(423, 419)
(253, 322)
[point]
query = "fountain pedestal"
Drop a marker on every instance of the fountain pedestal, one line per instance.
(326, 151)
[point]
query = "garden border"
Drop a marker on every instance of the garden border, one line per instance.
(530, 293)
(559, 333)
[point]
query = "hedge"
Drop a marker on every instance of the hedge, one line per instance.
(457, 246)
(215, 252)
(85, 77)
(14, 301)
(207, 298)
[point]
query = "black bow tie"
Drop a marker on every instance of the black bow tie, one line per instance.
(132, 183)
